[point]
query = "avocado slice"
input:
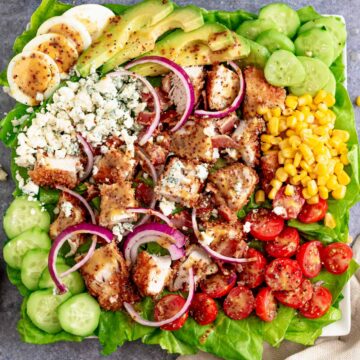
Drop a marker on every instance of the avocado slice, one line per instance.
(187, 18)
(188, 49)
(117, 33)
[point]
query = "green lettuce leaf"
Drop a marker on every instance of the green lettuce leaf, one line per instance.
(14, 276)
(31, 334)
(232, 20)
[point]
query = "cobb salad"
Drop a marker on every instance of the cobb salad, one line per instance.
(183, 176)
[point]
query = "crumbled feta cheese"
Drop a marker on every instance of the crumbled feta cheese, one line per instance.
(95, 170)
(233, 153)
(247, 227)
(206, 238)
(160, 139)
(215, 154)
(202, 172)
(28, 188)
(167, 207)
(214, 213)
(210, 130)
(39, 97)
(280, 210)
(66, 208)
(120, 229)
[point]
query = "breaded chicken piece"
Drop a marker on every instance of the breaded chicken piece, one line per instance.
(231, 187)
(174, 89)
(193, 141)
(247, 136)
(70, 213)
(260, 93)
(222, 86)
(199, 260)
(227, 124)
(107, 278)
(182, 182)
(158, 150)
(114, 166)
(115, 199)
(50, 171)
(226, 238)
(268, 164)
(151, 273)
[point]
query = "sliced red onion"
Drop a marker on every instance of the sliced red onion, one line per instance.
(151, 212)
(65, 235)
(235, 104)
(183, 77)
(155, 96)
(81, 199)
(212, 252)
(139, 319)
(89, 154)
(168, 237)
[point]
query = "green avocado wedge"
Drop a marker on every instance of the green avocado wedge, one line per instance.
(187, 18)
(120, 28)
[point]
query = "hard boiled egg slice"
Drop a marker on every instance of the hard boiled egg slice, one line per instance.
(71, 28)
(58, 47)
(93, 16)
(32, 76)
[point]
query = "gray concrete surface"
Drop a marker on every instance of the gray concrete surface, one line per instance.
(14, 15)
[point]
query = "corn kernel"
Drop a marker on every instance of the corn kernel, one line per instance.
(306, 153)
(281, 159)
(290, 133)
(260, 196)
(313, 200)
(265, 147)
(358, 101)
(332, 183)
(273, 126)
(312, 187)
(291, 121)
(323, 107)
(341, 134)
(320, 116)
(272, 193)
(276, 184)
(269, 139)
(282, 124)
(333, 152)
(267, 116)
(335, 142)
(281, 174)
(304, 165)
(310, 118)
(322, 159)
(329, 100)
(331, 166)
(297, 159)
(276, 140)
(342, 148)
(306, 194)
(289, 190)
(305, 180)
(262, 110)
(287, 112)
(343, 178)
(320, 97)
(291, 102)
(322, 180)
(284, 144)
(323, 192)
(294, 141)
(344, 159)
(339, 192)
(321, 169)
(332, 116)
(305, 99)
(339, 167)
(290, 169)
(329, 221)
(321, 130)
(288, 153)
(304, 109)
(276, 112)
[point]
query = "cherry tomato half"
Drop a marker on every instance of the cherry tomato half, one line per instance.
(265, 305)
(296, 298)
(203, 309)
(309, 259)
(285, 245)
(265, 225)
(319, 303)
(239, 303)
(292, 204)
(252, 273)
(283, 274)
(312, 213)
(218, 285)
(168, 306)
(336, 257)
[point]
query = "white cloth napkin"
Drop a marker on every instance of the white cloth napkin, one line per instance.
(334, 348)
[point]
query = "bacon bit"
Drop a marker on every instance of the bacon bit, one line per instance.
(223, 141)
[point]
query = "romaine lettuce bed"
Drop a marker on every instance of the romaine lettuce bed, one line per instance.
(226, 338)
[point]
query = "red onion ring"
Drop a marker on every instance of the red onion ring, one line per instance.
(212, 252)
(151, 212)
(90, 156)
(171, 239)
(181, 74)
(65, 235)
(139, 319)
(235, 104)
(154, 94)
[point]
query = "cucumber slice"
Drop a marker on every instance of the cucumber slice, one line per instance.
(15, 249)
(330, 87)
(286, 19)
(284, 69)
(22, 215)
(79, 315)
(258, 56)
(274, 40)
(317, 76)
(316, 43)
(335, 26)
(34, 263)
(307, 13)
(251, 29)
(41, 309)
(74, 282)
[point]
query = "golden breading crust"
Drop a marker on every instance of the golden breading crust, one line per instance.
(107, 278)
(260, 93)
(43, 176)
(231, 187)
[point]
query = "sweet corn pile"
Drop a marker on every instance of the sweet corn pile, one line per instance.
(311, 153)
